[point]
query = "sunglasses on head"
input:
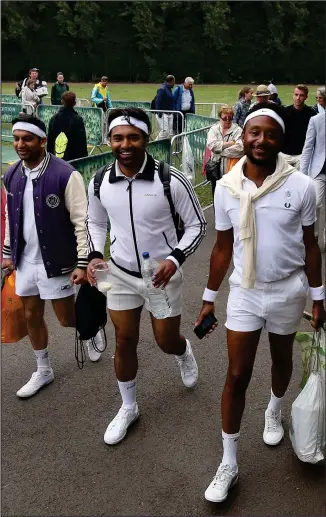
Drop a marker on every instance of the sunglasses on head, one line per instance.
(226, 117)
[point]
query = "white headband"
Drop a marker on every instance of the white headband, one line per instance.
(123, 121)
(31, 128)
(267, 113)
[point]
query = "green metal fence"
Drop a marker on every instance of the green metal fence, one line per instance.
(8, 112)
(145, 105)
(198, 121)
(12, 99)
(92, 117)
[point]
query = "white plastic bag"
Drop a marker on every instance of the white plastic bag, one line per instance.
(188, 162)
(307, 427)
(309, 351)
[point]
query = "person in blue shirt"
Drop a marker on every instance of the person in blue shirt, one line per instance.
(184, 101)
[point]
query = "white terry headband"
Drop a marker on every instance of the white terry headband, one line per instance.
(268, 113)
(31, 128)
(123, 121)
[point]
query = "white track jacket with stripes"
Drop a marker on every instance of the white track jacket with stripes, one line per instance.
(140, 217)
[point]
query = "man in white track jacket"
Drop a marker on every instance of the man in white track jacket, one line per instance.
(130, 192)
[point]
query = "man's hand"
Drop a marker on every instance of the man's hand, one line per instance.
(78, 276)
(207, 308)
(318, 314)
(7, 264)
(164, 273)
(90, 270)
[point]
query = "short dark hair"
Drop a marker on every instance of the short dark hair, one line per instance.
(169, 78)
(69, 99)
(30, 119)
(59, 73)
(137, 113)
(303, 88)
(271, 106)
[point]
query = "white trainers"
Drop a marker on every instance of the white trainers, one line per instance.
(188, 367)
(273, 431)
(93, 354)
(36, 382)
(225, 478)
(117, 429)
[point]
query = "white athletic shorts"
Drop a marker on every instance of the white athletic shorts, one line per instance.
(32, 280)
(277, 306)
(129, 292)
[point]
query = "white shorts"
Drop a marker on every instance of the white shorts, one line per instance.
(32, 280)
(277, 306)
(129, 292)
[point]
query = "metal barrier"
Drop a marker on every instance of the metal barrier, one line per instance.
(145, 105)
(166, 127)
(8, 112)
(208, 109)
(197, 140)
(10, 98)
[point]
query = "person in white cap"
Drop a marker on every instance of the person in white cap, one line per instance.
(130, 192)
(274, 94)
(265, 212)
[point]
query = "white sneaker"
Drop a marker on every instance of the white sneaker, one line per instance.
(273, 432)
(225, 478)
(188, 367)
(117, 429)
(93, 354)
(36, 382)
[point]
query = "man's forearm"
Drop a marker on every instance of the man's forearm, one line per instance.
(313, 266)
(219, 265)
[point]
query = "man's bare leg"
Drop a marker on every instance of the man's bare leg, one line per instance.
(126, 325)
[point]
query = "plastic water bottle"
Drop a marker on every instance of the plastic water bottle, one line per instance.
(158, 301)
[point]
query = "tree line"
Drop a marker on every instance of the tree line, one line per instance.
(215, 42)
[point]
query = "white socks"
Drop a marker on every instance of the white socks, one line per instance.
(275, 403)
(230, 448)
(43, 360)
(128, 392)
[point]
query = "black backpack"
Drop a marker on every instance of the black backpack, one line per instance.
(91, 317)
(152, 107)
(165, 177)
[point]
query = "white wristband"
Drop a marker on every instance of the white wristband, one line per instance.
(209, 296)
(317, 293)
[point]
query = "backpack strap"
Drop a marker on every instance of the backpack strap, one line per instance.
(165, 177)
(98, 178)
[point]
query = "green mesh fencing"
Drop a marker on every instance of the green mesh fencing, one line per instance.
(145, 105)
(8, 112)
(92, 117)
(160, 150)
(12, 99)
(198, 121)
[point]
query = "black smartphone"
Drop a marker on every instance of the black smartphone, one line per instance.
(205, 326)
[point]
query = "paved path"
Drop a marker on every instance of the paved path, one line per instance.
(54, 460)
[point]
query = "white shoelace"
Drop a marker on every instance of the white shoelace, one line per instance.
(223, 476)
(121, 417)
(273, 421)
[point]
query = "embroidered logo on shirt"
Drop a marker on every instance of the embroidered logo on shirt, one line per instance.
(287, 205)
(288, 197)
(52, 200)
(151, 195)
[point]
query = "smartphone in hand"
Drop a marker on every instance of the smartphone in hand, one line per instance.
(205, 326)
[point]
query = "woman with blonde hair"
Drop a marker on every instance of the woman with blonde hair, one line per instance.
(225, 143)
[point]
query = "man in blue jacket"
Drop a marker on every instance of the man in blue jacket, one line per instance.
(184, 100)
(164, 101)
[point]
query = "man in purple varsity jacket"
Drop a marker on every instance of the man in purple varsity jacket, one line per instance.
(45, 239)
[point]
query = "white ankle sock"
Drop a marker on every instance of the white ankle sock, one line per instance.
(230, 448)
(43, 360)
(275, 403)
(128, 392)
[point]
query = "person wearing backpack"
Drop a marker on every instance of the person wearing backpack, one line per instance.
(164, 101)
(58, 89)
(144, 200)
(67, 134)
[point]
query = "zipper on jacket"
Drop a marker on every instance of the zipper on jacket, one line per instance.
(133, 226)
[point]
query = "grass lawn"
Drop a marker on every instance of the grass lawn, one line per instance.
(226, 93)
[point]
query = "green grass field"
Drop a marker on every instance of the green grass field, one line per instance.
(226, 93)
